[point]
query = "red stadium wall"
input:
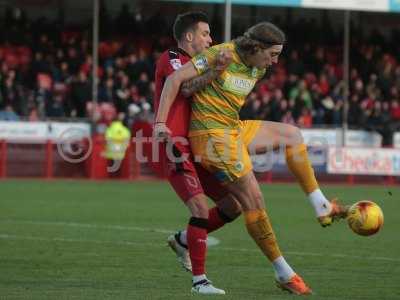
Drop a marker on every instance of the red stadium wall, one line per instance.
(32, 160)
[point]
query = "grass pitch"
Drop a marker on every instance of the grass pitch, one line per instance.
(106, 240)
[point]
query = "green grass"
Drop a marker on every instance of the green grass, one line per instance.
(106, 240)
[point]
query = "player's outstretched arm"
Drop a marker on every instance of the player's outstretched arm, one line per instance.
(222, 60)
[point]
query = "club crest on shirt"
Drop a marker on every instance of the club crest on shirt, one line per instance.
(175, 63)
(239, 166)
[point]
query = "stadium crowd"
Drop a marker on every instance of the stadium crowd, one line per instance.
(45, 72)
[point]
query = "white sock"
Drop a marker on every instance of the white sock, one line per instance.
(283, 272)
(321, 205)
(183, 237)
(198, 278)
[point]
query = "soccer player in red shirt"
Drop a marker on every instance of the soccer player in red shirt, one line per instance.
(190, 181)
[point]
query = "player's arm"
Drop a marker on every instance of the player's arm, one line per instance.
(198, 66)
(169, 92)
(198, 83)
(222, 60)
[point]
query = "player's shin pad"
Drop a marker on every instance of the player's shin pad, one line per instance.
(300, 166)
(260, 229)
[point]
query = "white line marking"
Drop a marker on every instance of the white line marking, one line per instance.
(374, 258)
(211, 241)
(38, 238)
(94, 226)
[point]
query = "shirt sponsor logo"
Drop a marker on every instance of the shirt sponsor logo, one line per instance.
(239, 85)
(175, 63)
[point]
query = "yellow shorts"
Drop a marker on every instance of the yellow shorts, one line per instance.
(225, 154)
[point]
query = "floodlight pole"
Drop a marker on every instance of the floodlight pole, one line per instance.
(228, 20)
(95, 57)
(346, 73)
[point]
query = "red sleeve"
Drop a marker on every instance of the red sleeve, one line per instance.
(163, 69)
(179, 115)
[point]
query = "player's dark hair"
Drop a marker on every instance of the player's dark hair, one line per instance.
(260, 36)
(186, 22)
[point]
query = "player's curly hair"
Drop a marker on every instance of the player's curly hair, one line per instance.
(187, 21)
(260, 36)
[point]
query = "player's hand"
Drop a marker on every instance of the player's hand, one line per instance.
(161, 132)
(223, 59)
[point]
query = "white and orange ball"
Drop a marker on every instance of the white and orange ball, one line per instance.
(365, 218)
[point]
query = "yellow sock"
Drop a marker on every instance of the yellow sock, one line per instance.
(300, 166)
(260, 229)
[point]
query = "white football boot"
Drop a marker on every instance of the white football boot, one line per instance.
(205, 287)
(180, 250)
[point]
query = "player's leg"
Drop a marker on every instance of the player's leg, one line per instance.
(226, 208)
(159, 164)
(183, 179)
(225, 211)
(274, 135)
(233, 167)
(195, 239)
(259, 227)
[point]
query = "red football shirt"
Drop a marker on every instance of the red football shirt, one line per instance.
(179, 114)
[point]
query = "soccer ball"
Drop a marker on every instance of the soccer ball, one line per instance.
(365, 218)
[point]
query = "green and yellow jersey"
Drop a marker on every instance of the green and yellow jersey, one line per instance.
(216, 108)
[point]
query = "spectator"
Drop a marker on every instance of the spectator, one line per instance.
(305, 88)
(107, 91)
(80, 95)
(8, 114)
(10, 93)
(305, 119)
(122, 94)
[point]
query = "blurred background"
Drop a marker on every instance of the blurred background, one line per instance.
(68, 69)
